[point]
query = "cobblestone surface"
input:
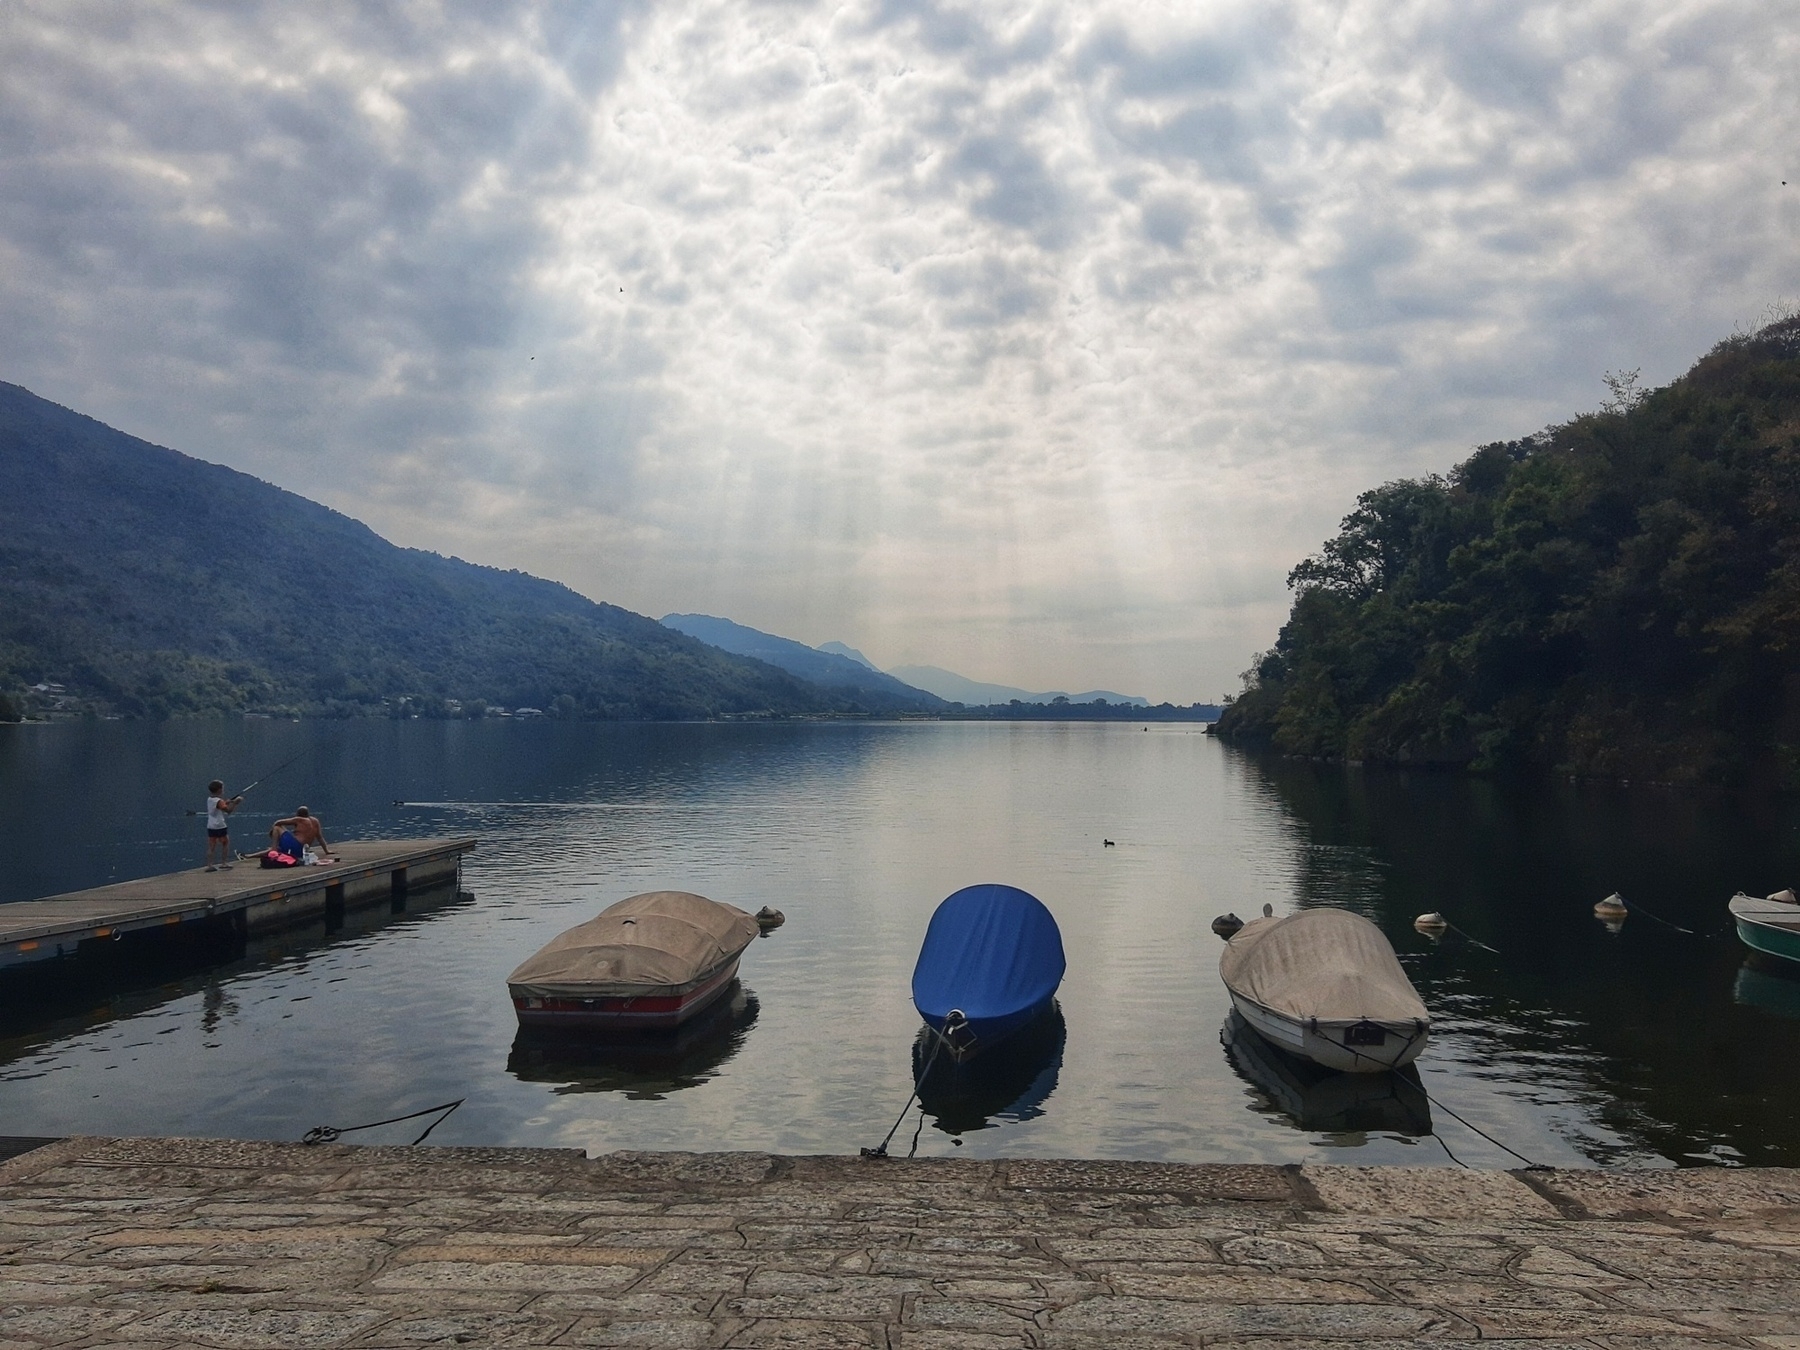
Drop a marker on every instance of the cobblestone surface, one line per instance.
(241, 1246)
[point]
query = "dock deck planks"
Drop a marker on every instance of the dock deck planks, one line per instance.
(35, 930)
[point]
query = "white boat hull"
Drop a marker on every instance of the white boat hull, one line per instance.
(1348, 1047)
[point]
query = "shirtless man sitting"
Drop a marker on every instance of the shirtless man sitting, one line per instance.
(306, 830)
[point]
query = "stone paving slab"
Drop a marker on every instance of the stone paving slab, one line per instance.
(243, 1245)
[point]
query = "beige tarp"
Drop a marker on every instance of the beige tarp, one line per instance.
(660, 942)
(1327, 964)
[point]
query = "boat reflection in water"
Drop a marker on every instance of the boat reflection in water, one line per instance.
(644, 1065)
(1009, 1082)
(1771, 984)
(1322, 1100)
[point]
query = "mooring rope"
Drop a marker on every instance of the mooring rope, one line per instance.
(1426, 1093)
(1633, 907)
(324, 1134)
(881, 1150)
(1471, 937)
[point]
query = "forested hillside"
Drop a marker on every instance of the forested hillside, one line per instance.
(1617, 596)
(151, 584)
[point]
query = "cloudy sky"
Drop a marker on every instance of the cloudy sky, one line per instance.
(1037, 341)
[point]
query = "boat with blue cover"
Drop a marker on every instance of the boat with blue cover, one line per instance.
(990, 965)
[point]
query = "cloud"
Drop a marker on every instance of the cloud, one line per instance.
(1037, 340)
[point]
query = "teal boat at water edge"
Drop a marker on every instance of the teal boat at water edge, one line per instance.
(1771, 925)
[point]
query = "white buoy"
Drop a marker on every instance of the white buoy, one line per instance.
(1432, 924)
(1613, 907)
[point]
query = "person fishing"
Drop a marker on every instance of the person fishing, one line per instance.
(218, 827)
(302, 831)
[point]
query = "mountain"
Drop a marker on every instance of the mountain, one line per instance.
(855, 679)
(1617, 596)
(150, 583)
(850, 653)
(954, 688)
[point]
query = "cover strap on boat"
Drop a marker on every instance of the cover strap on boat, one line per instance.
(1327, 965)
(989, 951)
(662, 942)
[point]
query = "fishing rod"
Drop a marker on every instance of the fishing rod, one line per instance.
(265, 778)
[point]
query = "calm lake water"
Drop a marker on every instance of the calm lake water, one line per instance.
(1571, 1045)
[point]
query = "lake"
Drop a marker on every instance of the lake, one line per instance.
(1566, 1043)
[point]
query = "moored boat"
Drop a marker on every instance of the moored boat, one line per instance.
(652, 961)
(1325, 984)
(1324, 1100)
(1009, 1083)
(1770, 925)
(990, 964)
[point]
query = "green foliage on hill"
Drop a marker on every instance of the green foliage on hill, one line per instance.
(1618, 596)
(153, 584)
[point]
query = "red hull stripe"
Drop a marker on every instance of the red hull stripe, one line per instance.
(672, 1007)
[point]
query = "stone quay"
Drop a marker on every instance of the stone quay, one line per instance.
(267, 1246)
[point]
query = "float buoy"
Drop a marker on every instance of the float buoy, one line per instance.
(767, 918)
(1432, 924)
(1613, 907)
(1226, 925)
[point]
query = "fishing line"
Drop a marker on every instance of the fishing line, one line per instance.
(324, 1134)
(244, 792)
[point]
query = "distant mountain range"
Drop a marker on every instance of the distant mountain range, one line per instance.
(839, 669)
(834, 664)
(948, 685)
(137, 580)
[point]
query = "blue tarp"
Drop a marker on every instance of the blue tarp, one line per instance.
(992, 951)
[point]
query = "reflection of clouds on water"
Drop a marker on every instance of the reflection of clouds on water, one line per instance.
(1570, 1046)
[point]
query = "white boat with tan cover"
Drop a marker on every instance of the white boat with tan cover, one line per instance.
(654, 960)
(1325, 984)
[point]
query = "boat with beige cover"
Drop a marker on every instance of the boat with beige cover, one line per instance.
(652, 961)
(1325, 984)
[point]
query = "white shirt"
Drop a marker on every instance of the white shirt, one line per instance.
(215, 813)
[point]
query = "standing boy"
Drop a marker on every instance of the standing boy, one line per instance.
(218, 829)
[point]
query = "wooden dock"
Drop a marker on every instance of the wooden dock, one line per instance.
(248, 897)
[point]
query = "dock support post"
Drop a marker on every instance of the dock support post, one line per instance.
(334, 906)
(397, 889)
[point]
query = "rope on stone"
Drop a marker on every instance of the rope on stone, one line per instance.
(881, 1150)
(325, 1134)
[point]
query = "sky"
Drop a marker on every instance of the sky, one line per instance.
(1034, 341)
